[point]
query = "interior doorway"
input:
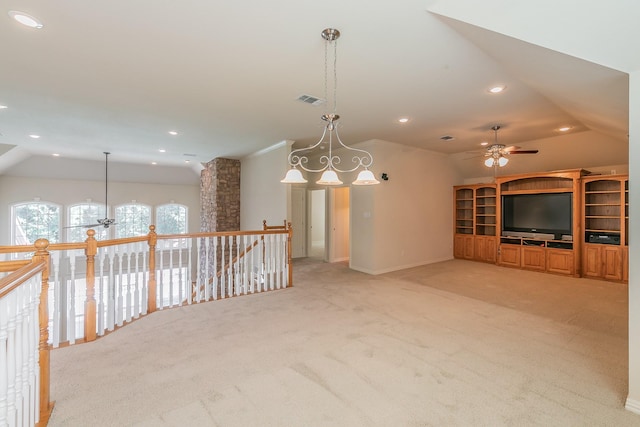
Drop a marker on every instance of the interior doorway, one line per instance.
(317, 223)
(338, 225)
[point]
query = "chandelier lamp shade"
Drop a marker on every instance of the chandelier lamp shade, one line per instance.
(330, 160)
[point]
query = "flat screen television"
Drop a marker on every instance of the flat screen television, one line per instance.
(538, 213)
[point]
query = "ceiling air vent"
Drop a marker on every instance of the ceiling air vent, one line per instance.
(308, 99)
(447, 138)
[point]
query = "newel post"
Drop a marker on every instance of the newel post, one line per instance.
(153, 240)
(41, 254)
(289, 256)
(90, 303)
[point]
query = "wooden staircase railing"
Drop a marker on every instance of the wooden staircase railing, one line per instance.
(121, 280)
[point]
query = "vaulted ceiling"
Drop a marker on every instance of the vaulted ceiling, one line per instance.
(118, 76)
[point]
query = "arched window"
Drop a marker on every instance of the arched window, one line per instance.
(85, 214)
(35, 220)
(171, 219)
(132, 220)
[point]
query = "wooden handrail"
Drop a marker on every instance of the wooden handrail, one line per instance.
(19, 276)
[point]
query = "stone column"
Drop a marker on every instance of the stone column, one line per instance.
(220, 195)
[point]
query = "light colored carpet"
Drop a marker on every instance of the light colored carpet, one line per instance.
(456, 343)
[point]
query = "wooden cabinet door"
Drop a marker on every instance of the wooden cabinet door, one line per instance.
(560, 261)
(490, 248)
(612, 262)
(468, 247)
(458, 246)
(485, 249)
(509, 255)
(533, 258)
(591, 261)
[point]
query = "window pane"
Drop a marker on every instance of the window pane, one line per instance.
(86, 214)
(33, 221)
(132, 220)
(171, 219)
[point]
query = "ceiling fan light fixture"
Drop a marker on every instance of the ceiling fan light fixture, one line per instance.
(502, 161)
(489, 162)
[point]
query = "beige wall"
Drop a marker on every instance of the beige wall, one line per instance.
(405, 221)
(633, 399)
(15, 189)
(262, 195)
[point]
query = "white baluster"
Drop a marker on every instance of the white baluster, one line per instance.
(207, 268)
(200, 268)
(111, 290)
(181, 284)
(100, 306)
(57, 298)
(19, 318)
(34, 337)
(171, 288)
(189, 242)
(128, 300)
(71, 298)
(144, 250)
(223, 278)
(12, 302)
(159, 273)
(135, 283)
(230, 274)
(4, 364)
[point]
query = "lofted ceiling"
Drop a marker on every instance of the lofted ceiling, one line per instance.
(118, 76)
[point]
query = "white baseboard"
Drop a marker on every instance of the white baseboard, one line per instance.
(632, 406)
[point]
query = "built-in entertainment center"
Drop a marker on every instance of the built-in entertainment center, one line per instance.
(565, 222)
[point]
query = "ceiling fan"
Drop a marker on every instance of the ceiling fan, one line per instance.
(497, 154)
(104, 222)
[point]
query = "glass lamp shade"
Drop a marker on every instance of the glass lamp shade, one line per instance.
(293, 176)
(489, 162)
(329, 177)
(366, 177)
(502, 161)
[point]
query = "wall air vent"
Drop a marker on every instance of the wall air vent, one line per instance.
(308, 99)
(447, 138)
(189, 155)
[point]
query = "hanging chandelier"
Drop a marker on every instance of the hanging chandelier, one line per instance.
(329, 162)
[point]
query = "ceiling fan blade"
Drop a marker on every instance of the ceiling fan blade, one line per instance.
(524, 152)
(511, 148)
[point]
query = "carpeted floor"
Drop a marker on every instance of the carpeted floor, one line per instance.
(455, 343)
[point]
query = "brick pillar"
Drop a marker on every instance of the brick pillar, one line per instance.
(220, 195)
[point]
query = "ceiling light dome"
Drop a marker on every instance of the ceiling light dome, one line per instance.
(25, 19)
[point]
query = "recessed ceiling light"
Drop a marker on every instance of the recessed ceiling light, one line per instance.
(154, 163)
(162, 150)
(497, 89)
(25, 19)
(565, 128)
(173, 132)
(3, 107)
(483, 143)
(56, 155)
(187, 161)
(34, 136)
(403, 120)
